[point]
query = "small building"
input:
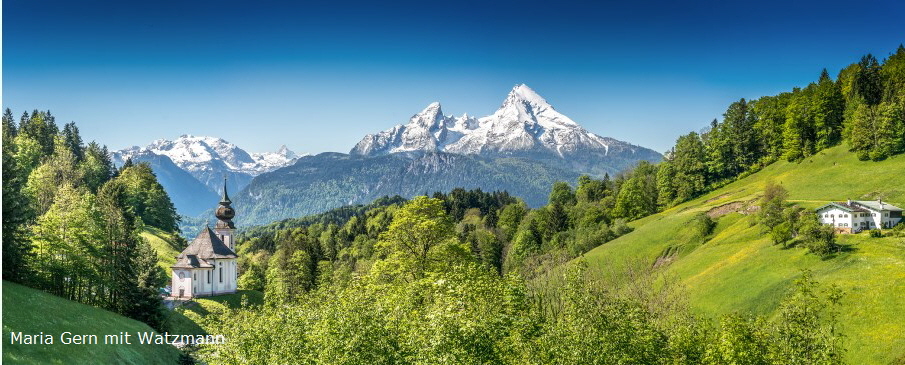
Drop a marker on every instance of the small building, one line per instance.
(853, 216)
(208, 265)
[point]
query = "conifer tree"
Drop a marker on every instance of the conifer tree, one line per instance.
(16, 212)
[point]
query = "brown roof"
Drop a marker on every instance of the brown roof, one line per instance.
(205, 246)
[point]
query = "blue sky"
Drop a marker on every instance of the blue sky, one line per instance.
(319, 76)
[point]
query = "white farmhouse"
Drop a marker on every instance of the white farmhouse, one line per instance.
(208, 265)
(855, 215)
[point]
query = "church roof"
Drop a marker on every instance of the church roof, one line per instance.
(205, 246)
(191, 262)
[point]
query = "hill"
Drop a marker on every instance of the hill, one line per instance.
(737, 269)
(32, 311)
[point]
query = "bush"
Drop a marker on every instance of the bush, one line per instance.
(876, 233)
(703, 225)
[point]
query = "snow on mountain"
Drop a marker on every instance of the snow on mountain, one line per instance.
(210, 159)
(269, 161)
(206, 153)
(524, 125)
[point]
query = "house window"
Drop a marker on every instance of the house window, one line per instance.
(831, 216)
(208, 276)
(181, 275)
(221, 272)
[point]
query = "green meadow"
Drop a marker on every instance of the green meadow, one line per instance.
(738, 269)
(32, 311)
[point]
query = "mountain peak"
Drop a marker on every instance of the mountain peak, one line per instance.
(285, 151)
(523, 93)
(429, 116)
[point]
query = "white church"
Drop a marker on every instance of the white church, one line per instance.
(208, 265)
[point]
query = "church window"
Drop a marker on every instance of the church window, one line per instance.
(221, 273)
(208, 277)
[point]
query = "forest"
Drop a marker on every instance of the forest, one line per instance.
(71, 221)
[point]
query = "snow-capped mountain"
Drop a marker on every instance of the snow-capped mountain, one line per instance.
(209, 160)
(525, 125)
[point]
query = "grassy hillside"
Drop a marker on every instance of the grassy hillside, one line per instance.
(738, 269)
(33, 311)
(165, 245)
(189, 319)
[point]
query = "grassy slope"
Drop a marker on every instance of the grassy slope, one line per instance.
(189, 318)
(33, 311)
(739, 270)
(162, 242)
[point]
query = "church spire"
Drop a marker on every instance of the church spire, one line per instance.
(225, 199)
(225, 212)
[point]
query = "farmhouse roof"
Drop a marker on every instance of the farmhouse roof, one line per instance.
(844, 206)
(877, 205)
(205, 246)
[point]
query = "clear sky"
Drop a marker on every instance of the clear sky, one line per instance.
(319, 76)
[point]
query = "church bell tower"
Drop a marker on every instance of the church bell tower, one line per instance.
(225, 213)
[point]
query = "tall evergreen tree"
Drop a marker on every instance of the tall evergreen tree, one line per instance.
(16, 212)
(96, 166)
(828, 106)
(868, 81)
(41, 127)
(73, 140)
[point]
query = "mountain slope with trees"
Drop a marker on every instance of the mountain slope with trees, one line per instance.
(329, 180)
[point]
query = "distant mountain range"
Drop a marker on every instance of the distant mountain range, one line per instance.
(192, 168)
(523, 148)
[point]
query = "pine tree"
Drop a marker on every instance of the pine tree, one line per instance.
(73, 141)
(16, 212)
(96, 166)
(41, 127)
(868, 81)
(689, 164)
(828, 107)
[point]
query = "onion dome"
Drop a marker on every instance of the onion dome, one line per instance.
(225, 212)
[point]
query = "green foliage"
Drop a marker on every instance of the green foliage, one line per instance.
(772, 205)
(781, 233)
(16, 207)
(703, 225)
(562, 194)
(819, 238)
(416, 234)
(147, 199)
(637, 198)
